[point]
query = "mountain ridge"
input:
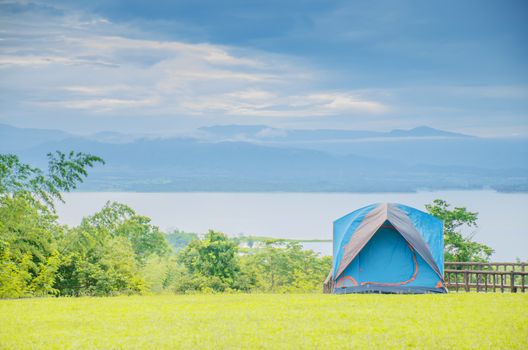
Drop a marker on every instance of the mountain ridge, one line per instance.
(201, 164)
(263, 133)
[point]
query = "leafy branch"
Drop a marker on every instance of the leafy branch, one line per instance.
(65, 172)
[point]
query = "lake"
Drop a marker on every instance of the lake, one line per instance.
(306, 215)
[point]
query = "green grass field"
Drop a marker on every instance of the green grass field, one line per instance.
(311, 321)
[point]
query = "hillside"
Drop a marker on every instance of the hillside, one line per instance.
(387, 163)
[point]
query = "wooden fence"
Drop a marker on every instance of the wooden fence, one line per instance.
(486, 277)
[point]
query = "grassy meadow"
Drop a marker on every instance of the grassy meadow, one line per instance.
(267, 321)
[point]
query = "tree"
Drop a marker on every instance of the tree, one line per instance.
(457, 246)
(104, 255)
(28, 251)
(29, 258)
(282, 266)
(99, 267)
(180, 239)
(119, 220)
(213, 257)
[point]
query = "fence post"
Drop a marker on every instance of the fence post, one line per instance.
(494, 283)
(490, 277)
(522, 277)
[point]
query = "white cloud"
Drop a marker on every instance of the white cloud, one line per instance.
(83, 62)
(264, 103)
(103, 104)
(97, 90)
(11, 60)
(344, 102)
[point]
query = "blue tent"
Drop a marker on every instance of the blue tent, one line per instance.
(387, 248)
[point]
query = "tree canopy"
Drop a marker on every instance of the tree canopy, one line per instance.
(457, 246)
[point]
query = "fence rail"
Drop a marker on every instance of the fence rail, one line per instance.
(486, 277)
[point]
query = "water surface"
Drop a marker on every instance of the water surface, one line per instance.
(306, 215)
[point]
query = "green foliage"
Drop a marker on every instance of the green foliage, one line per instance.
(458, 247)
(180, 239)
(119, 220)
(29, 231)
(280, 266)
(285, 267)
(65, 172)
(162, 274)
(14, 275)
(28, 250)
(117, 251)
(107, 268)
(213, 258)
(104, 255)
(39, 257)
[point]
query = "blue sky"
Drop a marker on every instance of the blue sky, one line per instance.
(170, 66)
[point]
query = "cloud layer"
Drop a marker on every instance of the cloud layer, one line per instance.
(87, 63)
(303, 64)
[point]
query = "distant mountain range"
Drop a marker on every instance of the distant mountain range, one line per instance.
(266, 133)
(261, 158)
(12, 138)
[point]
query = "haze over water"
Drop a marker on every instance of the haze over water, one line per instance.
(306, 215)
